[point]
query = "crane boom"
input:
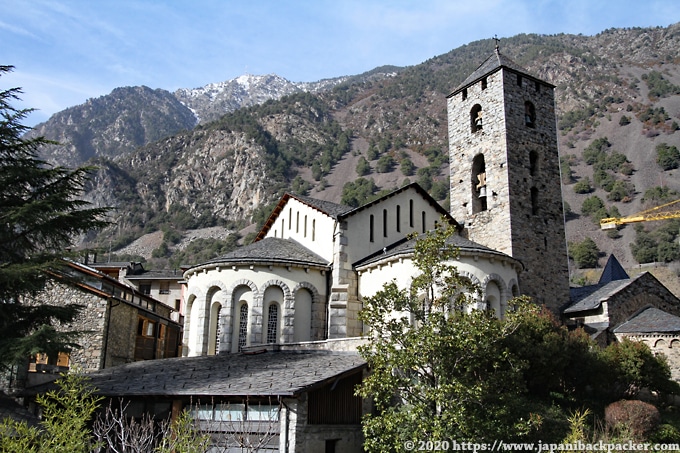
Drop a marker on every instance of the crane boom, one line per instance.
(658, 213)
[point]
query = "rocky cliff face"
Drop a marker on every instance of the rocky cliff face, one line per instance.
(223, 172)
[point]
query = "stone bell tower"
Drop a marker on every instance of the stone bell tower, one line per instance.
(505, 173)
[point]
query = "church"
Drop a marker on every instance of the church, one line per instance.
(270, 334)
(304, 277)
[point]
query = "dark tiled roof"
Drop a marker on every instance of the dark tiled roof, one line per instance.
(13, 410)
(264, 374)
(157, 275)
(276, 250)
(613, 271)
(650, 320)
(334, 210)
(407, 246)
(590, 297)
(495, 61)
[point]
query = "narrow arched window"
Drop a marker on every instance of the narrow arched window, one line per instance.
(313, 229)
(533, 163)
(305, 227)
(423, 221)
(478, 184)
(242, 327)
(370, 228)
(476, 121)
(290, 218)
(534, 201)
(410, 213)
(529, 114)
(272, 323)
(297, 222)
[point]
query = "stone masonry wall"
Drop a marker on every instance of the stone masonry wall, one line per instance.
(524, 215)
(91, 319)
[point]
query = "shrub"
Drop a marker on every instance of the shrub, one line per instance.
(385, 164)
(636, 417)
(668, 157)
(583, 186)
(584, 253)
(363, 167)
(591, 205)
(407, 167)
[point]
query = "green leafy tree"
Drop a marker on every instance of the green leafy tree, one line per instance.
(583, 186)
(66, 414)
(363, 167)
(40, 215)
(438, 371)
(407, 167)
(668, 157)
(584, 253)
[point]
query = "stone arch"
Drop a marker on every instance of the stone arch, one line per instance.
(190, 325)
(285, 304)
(272, 295)
(513, 288)
(317, 322)
(472, 278)
(242, 292)
(660, 343)
(214, 328)
(675, 343)
(496, 300)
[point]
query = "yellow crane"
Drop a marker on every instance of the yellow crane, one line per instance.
(662, 212)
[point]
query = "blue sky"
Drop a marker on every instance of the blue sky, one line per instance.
(68, 51)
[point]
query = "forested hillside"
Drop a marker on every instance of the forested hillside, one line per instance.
(618, 114)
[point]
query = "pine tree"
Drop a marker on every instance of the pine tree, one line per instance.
(40, 215)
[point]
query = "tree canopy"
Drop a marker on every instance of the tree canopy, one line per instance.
(40, 216)
(445, 368)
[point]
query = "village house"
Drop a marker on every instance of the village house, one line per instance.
(119, 324)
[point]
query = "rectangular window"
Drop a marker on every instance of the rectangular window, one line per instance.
(297, 222)
(410, 213)
(398, 218)
(384, 222)
(145, 288)
(313, 229)
(305, 227)
(370, 228)
(165, 288)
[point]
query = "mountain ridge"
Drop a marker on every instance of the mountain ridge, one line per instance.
(312, 142)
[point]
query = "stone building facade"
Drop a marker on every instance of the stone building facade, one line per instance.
(505, 174)
(118, 324)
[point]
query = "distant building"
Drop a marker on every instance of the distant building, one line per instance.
(119, 325)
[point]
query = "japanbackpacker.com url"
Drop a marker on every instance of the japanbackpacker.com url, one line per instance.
(500, 446)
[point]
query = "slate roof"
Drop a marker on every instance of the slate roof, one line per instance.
(334, 210)
(590, 297)
(492, 64)
(613, 271)
(10, 408)
(272, 250)
(650, 320)
(279, 373)
(407, 246)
